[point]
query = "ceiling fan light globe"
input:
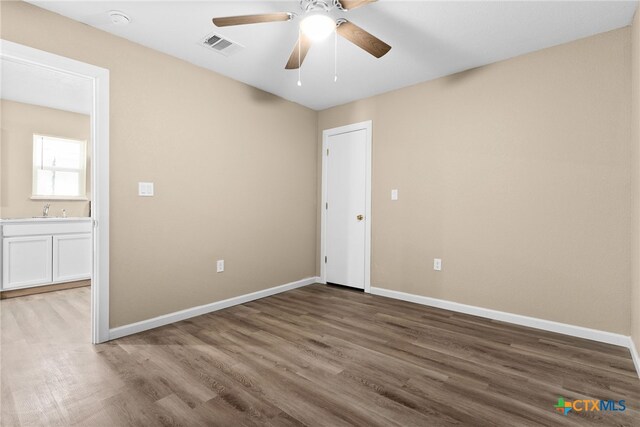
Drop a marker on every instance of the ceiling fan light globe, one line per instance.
(317, 27)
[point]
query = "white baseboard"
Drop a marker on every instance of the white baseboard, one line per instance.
(166, 319)
(634, 355)
(532, 322)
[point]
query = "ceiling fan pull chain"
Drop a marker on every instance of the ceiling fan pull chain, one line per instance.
(299, 44)
(335, 55)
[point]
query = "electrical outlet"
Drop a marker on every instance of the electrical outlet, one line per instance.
(220, 266)
(394, 194)
(437, 264)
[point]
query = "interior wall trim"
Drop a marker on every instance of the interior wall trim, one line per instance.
(517, 319)
(155, 322)
(99, 79)
(634, 355)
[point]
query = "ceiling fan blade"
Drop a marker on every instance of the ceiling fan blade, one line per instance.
(353, 4)
(251, 19)
(302, 46)
(363, 39)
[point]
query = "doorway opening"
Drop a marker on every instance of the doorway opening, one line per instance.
(58, 237)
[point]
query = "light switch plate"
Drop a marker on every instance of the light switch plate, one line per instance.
(394, 194)
(437, 264)
(145, 189)
(220, 266)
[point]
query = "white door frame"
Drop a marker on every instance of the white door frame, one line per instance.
(323, 221)
(99, 78)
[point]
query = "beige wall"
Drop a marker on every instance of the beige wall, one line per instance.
(234, 173)
(635, 140)
(517, 175)
(18, 123)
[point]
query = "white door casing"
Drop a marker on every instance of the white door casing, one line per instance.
(346, 197)
(99, 77)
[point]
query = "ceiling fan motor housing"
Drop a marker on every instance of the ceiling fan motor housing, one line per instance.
(317, 5)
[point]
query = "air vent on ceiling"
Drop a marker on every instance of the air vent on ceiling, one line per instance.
(221, 45)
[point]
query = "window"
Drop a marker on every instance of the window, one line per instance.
(59, 168)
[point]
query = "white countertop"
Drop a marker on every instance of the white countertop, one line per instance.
(48, 219)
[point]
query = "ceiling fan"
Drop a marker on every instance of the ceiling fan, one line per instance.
(316, 25)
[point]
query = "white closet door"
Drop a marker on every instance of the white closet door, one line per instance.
(346, 198)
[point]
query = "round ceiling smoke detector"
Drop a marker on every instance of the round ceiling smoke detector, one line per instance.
(119, 18)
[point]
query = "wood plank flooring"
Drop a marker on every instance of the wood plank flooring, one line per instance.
(317, 356)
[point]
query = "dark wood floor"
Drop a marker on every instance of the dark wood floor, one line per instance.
(317, 356)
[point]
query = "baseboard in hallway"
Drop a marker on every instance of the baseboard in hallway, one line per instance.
(155, 322)
(517, 319)
(13, 293)
(635, 355)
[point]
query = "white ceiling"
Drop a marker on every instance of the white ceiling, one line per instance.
(32, 84)
(430, 39)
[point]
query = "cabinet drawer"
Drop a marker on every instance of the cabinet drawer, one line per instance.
(40, 229)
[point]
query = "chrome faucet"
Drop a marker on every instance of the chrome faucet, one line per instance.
(45, 210)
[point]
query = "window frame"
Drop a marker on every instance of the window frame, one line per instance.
(82, 171)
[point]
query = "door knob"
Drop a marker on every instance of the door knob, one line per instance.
(360, 217)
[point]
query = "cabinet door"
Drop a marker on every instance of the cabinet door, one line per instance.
(72, 257)
(26, 261)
